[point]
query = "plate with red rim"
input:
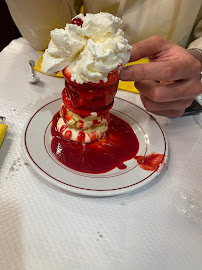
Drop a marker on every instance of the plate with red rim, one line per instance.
(36, 144)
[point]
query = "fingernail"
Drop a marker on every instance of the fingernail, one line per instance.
(125, 74)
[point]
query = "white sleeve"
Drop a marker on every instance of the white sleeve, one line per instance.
(35, 18)
(197, 43)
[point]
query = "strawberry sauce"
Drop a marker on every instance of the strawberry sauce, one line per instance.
(118, 145)
(83, 99)
(81, 136)
(150, 162)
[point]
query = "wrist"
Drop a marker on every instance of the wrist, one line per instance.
(196, 53)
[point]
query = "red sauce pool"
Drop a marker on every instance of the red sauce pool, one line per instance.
(119, 145)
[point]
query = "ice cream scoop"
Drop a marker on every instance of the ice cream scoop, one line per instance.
(74, 120)
(88, 135)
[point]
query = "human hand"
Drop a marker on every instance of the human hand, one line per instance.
(176, 69)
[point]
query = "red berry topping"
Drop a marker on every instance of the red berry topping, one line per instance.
(77, 21)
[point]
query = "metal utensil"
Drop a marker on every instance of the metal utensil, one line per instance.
(33, 78)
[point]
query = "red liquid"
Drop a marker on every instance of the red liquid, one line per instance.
(83, 112)
(81, 136)
(85, 98)
(68, 134)
(150, 162)
(81, 124)
(119, 145)
(91, 97)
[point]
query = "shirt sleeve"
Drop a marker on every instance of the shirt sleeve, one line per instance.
(35, 18)
(197, 33)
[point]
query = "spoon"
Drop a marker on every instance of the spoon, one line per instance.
(33, 78)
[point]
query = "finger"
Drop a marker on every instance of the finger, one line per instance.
(171, 70)
(164, 92)
(164, 106)
(149, 47)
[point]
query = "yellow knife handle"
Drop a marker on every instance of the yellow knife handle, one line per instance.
(3, 129)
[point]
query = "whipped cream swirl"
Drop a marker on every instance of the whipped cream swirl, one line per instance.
(90, 51)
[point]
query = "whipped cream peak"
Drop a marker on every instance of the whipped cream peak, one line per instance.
(101, 26)
(92, 49)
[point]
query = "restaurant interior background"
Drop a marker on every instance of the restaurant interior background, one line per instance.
(8, 29)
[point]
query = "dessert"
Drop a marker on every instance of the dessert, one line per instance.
(90, 52)
(111, 151)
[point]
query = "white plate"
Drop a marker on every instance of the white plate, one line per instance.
(37, 140)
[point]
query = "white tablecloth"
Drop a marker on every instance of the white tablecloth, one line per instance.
(155, 227)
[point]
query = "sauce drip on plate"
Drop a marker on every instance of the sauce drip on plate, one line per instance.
(150, 162)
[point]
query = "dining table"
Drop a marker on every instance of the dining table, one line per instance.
(43, 226)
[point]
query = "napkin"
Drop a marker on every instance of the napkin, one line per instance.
(123, 85)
